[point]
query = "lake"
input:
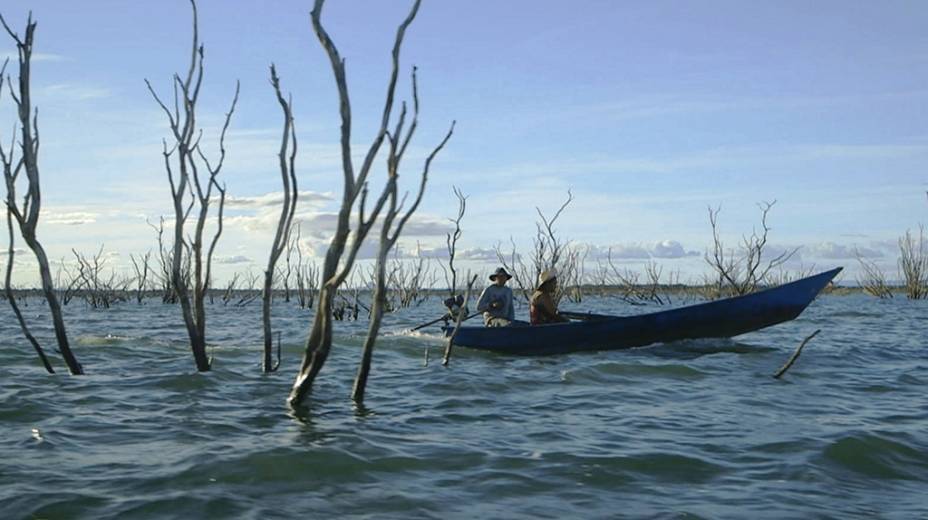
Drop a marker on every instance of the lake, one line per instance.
(687, 430)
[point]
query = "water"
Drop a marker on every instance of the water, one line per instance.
(689, 430)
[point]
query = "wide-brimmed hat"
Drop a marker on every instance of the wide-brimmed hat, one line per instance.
(546, 276)
(500, 272)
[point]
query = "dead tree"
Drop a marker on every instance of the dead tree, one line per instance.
(141, 268)
(165, 261)
(744, 271)
(11, 251)
(392, 226)
(521, 273)
(343, 248)
(627, 282)
(286, 273)
(446, 358)
(549, 251)
(192, 189)
(451, 242)
(65, 283)
(229, 291)
(8, 289)
(576, 277)
(99, 289)
(90, 278)
(405, 281)
(27, 215)
(913, 264)
(287, 163)
(307, 274)
(249, 292)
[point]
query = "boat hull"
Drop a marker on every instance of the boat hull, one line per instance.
(716, 319)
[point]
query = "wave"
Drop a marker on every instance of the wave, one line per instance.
(878, 456)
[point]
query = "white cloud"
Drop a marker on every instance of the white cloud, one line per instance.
(75, 92)
(425, 226)
(73, 218)
(275, 199)
(232, 260)
(670, 249)
(833, 251)
(619, 252)
(321, 225)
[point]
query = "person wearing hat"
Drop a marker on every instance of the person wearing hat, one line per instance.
(495, 301)
(542, 307)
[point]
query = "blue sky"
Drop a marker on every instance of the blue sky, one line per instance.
(648, 111)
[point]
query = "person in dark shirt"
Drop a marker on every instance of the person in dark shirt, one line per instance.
(495, 301)
(542, 307)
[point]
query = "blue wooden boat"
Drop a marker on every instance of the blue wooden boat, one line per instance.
(716, 319)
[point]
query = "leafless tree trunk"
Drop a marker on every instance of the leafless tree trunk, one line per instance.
(913, 264)
(287, 160)
(141, 268)
(189, 190)
(576, 277)
(405, 281)
(550, 251)
(446, 358)
(307, 274)
(341, 254)
(744, 272)
(391, 228)
(10, 258)
(522, 275)
(66, 283)
(248, 293)
(98, 289)
(287, 272)
(230, 289)
(27, 216)
(451, 242)
(165, 261)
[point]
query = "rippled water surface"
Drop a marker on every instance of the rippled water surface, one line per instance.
(685, 430)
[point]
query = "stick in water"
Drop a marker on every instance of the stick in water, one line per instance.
(457, 324)
(795, 355)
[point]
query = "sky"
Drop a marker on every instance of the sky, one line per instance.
(649, 112)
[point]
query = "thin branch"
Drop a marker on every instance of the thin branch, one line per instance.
(795, 355)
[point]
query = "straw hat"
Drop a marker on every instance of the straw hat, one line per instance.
(546, 276)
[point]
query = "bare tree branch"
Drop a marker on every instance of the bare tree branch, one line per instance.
(189, 268)
(27, 216)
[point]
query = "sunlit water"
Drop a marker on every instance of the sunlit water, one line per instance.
(687, 430)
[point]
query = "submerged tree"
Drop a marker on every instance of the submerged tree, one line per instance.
(745, 270)
(451, 243)
(191, 189)
(913, 264)
(141, 268)
(27, 215)
(343, 248)
(550, 251)
(392, 226)
(287, 160)
(872, 279)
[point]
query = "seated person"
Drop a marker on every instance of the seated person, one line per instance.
(495, 301)
(542, 306)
